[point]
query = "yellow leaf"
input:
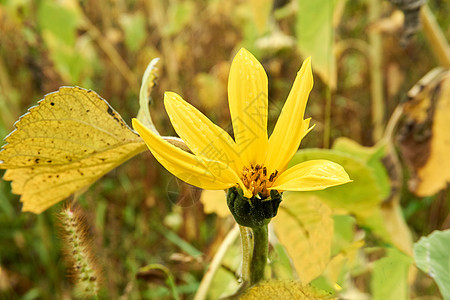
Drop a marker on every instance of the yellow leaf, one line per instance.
(425, 139)
(215, 201)
(345, 258)
(388, 223)
(211, 90)
(305, 227)
(284, 289)
(261, 12)
(65, 143)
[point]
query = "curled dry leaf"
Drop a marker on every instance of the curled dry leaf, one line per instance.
(425, 137)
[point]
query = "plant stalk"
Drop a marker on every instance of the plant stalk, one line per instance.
(247, 252)
(327, 122)
(376, 79)
(215, 264)
(260, 254)
(435, 37)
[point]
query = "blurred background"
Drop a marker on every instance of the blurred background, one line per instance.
(364, 64)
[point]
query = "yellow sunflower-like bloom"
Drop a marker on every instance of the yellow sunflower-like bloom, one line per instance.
(252, 161)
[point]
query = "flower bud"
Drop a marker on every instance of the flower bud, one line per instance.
(255, 211)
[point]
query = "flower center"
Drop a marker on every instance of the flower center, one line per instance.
(256, 180)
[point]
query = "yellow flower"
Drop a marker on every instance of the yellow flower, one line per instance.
(252, 161)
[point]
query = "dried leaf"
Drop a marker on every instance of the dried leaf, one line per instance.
(425, 138)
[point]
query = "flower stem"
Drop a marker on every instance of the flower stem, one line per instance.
(260, 253)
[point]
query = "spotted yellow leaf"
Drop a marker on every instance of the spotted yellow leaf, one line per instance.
(305, 228)
(285, 289)
(65, 143)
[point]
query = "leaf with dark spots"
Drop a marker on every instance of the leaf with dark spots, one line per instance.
(59, 138)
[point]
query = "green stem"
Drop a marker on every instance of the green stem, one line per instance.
(260, 254)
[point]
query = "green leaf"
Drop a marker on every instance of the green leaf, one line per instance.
(305, 228)
(344, 232)
(134, 28)
(280, 263)
(284, 289)
(179, 15)
(334, 278)
(69, 61)
(315, 36)
(61, 21)
(372, 156)
(360, 197)
(344, 252)
(386, 221)
(432, 256)
(390, 276)
(72, 55)
(224, 283)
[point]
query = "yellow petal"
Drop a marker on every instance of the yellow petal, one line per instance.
(247, 97)
(203, 137)
(195, 170)
(311, 175)
(290, 127)
(305, 130)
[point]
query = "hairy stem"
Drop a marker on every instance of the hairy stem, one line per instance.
(260, 254)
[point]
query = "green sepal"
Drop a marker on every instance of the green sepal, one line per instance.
(252, 212)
